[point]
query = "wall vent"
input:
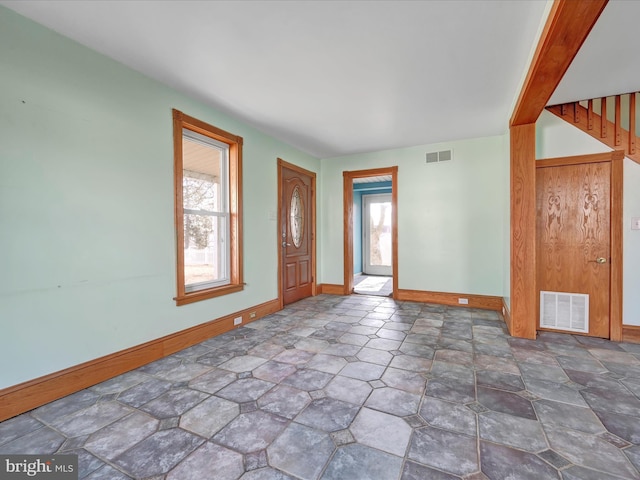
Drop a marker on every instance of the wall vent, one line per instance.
(432, 157)
(564, 311)
(443, 156)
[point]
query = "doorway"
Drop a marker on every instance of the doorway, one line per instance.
(296, 233)
(578, 244)
(381, 259)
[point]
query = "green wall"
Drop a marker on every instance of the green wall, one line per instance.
(86, 205)
(450, 215)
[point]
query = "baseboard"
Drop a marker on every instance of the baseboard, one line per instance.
(331, 289)
(631, 333)
(26, 396)
(485, 302)
(506, 314)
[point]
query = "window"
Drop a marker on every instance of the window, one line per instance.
(207, 170)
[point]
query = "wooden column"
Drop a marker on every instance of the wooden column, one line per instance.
(523, 231)
(565, 30)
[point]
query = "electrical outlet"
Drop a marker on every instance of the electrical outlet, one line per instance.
(463, 301)
(635, 223)
(252, 315)
(237, 320)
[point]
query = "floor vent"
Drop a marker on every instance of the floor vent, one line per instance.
(443, 156)
(564, 311)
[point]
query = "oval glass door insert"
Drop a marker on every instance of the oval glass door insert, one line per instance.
(296, 217)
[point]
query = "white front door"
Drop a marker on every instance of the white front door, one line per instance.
(376, 228)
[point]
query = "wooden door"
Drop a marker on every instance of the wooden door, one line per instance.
(297, 230)
(573, 251)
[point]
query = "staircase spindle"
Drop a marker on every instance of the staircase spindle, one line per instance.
(603, 117)
(632, 123)
(617, 126)
(576, 112)
(590, 115)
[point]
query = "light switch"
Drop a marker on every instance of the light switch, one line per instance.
(635, 223)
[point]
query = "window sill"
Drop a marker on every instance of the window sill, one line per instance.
(208, 293)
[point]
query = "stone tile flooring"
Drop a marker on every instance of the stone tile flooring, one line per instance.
(357, 388)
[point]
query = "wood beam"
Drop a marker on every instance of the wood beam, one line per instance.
(567, 27)
(523, 230)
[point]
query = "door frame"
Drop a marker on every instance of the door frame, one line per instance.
(366, 225)
(347, 195)
(616, 159)
(282, 164)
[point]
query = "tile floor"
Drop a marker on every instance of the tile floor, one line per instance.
(357, 388)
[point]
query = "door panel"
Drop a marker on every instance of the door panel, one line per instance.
(296, 232)
(573, 231)
(376, 246)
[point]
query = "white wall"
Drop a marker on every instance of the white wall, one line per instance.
(86, 205)
(450, 215)
(557, 138)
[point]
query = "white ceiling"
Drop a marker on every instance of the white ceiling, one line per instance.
(331, 77)
(379, 178)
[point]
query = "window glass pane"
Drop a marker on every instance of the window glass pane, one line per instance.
(204, 181)
(296, 220)
(205, 260)
(380, 231)
(204, 193)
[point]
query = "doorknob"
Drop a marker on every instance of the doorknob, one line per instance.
(599, 260)
(285, 244)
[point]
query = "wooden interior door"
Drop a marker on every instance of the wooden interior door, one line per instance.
(296, 232)
(573, 252)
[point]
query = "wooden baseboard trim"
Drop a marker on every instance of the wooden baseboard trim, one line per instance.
(631, 333)
(28, 395)
(485, 302)
(506, 314)
(331, 289)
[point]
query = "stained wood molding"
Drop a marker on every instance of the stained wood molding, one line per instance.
(331, 289)
(565, 30)
(631, 333)
(485, 302)
(26, 396)
(580, 159)
(615, 310)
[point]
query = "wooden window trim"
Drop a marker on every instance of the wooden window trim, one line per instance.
(182, 121)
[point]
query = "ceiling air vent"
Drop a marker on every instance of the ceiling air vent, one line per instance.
(443, 156)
